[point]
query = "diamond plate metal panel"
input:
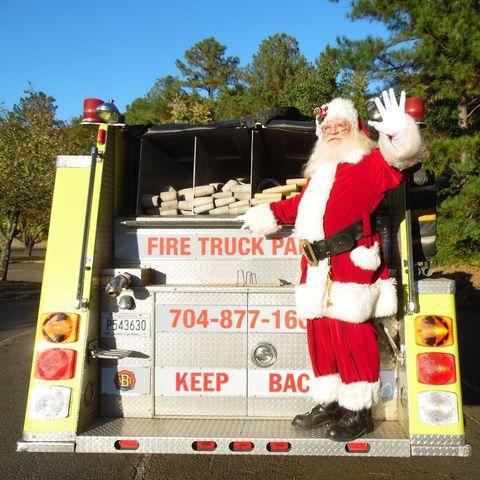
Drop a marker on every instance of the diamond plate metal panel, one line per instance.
(138, 406)
(199, 297)
(67, 447)
(269, 299)
(442, 451)
(431, 286)
(200, 350)
(48, 436)
(224, 271)
(279, 407)
(437, 440)
(199, 406)
(292, 350)
(177, 436)
(227, 350)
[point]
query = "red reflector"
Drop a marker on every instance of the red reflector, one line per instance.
(241, 446)
(204, 446)
(436, 368)
(357, 447)
(102, 135)
(126, 445)
(55, 364)
(279, 446)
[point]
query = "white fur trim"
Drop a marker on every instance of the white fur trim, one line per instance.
(341, 108)
(324, 389)
(310, 296)
(358, 395)
(260, 220)
(403, 150)
(355, 156)
(367, 258)
(387, 302)
(350, 302)
(309, 222)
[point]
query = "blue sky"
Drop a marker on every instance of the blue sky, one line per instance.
(78, 49)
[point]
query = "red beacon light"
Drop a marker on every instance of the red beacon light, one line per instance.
(415, 107)
(89, 110)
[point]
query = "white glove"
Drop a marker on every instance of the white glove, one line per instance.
(394, 118)
(242, 218)
(259, 220)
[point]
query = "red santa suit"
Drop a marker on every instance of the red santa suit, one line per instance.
(341, 336)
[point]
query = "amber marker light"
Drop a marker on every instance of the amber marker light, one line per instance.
(59, 327)
(434, 331)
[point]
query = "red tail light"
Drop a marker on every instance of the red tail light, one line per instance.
(357, 447)
(102, 135)
(55, 364)
(126, 445)
(241, 446)
(436, 368)
(204, 446)
(279, 446)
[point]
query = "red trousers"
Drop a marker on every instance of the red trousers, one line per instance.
(347, 349)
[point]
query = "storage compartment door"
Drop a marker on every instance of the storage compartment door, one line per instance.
(200, 354)
(282, 388)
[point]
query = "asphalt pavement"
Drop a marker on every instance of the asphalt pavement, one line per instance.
(17, 320)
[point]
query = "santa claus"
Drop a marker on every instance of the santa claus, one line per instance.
(344, 280)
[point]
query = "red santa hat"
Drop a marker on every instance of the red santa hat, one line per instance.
(342, 108)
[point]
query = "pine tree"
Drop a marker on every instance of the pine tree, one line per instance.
(277, 61)
(207, 68)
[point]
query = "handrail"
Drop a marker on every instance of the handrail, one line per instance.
(80, 301)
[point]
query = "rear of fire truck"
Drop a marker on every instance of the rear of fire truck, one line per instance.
(177, 333)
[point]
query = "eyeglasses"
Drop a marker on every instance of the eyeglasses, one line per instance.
(338, 127)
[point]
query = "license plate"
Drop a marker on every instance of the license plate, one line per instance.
(126, 325)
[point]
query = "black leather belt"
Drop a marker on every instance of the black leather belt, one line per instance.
(341, 242)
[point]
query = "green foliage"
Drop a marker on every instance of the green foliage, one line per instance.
(191, 109)
(273, 68)
(313, 85)
(207, 68)
(30, 140)
(433, 52)
(235, 102)
(458, 184)
(155, 106)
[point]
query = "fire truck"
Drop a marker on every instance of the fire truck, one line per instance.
(178, 333)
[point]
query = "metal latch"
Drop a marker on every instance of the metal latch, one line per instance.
(106, 354)
(399, 353)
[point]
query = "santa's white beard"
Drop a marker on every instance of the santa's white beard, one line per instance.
(350, 148)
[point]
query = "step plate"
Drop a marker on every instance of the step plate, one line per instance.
(176, 435)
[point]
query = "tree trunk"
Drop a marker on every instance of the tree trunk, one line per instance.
(462, 113)
(28, 242)
(462, 123)
(12, 223)
(29, 248)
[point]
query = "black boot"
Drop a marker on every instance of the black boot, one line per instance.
(351, 425)
(317, 416)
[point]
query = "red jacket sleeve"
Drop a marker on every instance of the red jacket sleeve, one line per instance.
(383, 175)
(285, 211)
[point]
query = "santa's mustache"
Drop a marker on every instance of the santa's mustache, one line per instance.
(327, 152)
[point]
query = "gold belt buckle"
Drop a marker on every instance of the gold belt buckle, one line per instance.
(307, 250)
